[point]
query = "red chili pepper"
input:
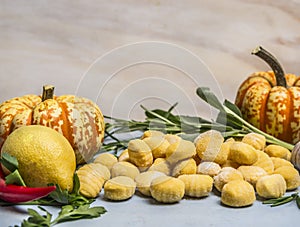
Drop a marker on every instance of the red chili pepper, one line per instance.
(18, 194)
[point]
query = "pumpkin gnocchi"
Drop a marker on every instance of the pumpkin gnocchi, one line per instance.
(238, 193)
(271, 186)
(242, 153)
(124, 169)
(119, 188)
(139, 153)
(252, 173)
(106, 159)
(208, 145)
(167, 189)
(92, 176)
(197, 185)
(208, 168)
(255, 140)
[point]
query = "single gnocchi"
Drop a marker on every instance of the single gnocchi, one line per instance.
(166, 189)
(92, 176)
(271, 186)
(208, 145)
(106, 159)
(255, 140)
(238, 193)
(119, 188)
(124, 169)
(277, 151)
(252, 173)
(209, 168)
(140, 153)
(197, 185)
(242, 153)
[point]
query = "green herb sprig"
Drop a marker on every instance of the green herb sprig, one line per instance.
(284, 200)
(229, 122)
(67, 213)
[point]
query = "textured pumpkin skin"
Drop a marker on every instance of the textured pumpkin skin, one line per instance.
(80, 120)
(273, 109)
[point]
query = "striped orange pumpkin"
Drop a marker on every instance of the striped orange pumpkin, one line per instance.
(79, 119)
(271, 100)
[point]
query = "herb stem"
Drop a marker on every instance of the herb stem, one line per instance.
(269, 138)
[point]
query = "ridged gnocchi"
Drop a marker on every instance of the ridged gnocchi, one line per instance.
(124, 169)
(167, 189)
(106, 159)
(92, 176)
(271, 186)
(140, 153)
(119, 188)
(277, 151)
(252, 173)
(197, 185)
(255, 140)
(209, 168)
(208, 145)
(242, 153)
(238, 193)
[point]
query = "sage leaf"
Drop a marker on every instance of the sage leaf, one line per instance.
(209, 97)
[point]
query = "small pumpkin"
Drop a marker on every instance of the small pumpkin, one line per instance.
(271, 100)
(79, 119)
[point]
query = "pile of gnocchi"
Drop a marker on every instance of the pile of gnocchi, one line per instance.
(167, 168)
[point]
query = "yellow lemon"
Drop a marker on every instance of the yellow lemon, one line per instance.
(44, 155)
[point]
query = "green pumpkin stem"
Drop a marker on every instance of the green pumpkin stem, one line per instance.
(273, 63)
(48, 92)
